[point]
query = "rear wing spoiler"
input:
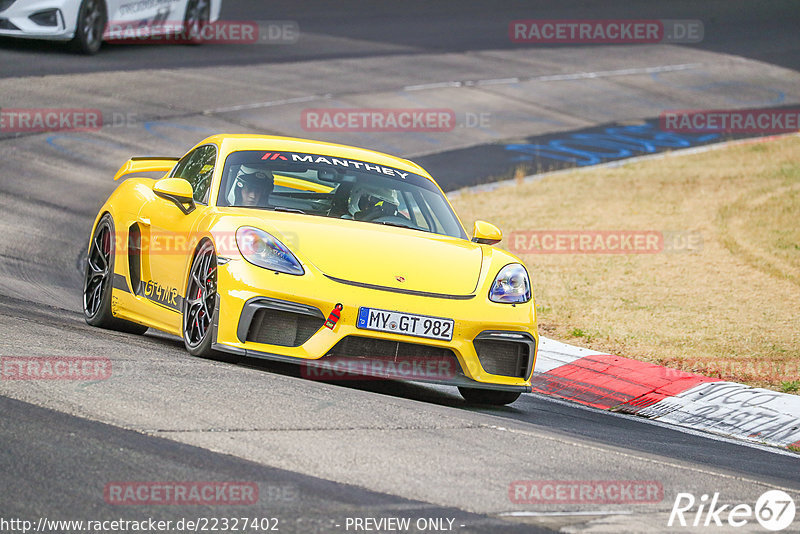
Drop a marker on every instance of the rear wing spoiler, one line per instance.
(146, 164)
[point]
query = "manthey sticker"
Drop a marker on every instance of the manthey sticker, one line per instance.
(342, 163)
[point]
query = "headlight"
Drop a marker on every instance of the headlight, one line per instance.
(511, 285)
(260, 248)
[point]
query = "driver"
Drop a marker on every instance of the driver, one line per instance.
(252, 187)
(368, 202)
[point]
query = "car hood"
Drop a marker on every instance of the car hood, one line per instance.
(368, 253)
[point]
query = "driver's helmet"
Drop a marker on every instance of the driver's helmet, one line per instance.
(253, 178)
(367, 198)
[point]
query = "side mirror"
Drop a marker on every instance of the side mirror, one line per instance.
(486, 233)
(176, 190)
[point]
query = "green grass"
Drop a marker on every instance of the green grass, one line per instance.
(792, 386)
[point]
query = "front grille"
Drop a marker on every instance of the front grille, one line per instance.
(393, 359)
(366, 347)
(286, 329)
(504, 358)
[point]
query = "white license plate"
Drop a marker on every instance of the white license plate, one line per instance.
(405, 323)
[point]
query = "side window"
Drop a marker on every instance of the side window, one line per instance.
(197, 168)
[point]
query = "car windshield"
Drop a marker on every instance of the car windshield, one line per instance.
(335, 187)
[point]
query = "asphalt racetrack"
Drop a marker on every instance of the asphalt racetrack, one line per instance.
(325, 454)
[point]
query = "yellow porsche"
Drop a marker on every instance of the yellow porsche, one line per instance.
(339, 258)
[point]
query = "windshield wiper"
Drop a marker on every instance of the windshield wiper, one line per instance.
(398, 225)
(288, 210)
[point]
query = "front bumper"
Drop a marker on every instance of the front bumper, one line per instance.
(244, 289)
(16, 21)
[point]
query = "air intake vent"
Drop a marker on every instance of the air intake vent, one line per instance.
(394, 359)
(6, 24)
(282, 328)
(504, 358)
(365, 347)
(134, 256)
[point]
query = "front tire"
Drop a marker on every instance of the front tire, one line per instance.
(491, 397)
(91, 25)
(98, 281)
(200, 301)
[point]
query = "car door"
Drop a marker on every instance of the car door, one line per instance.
(171, 235)
(136, 18)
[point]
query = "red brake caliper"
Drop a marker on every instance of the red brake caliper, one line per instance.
(200, 313)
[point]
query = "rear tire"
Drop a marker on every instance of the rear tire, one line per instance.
(196, 18)
(491, 397)
(91, 25)
(98, 281)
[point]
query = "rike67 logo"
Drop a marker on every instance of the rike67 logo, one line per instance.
(774, 510)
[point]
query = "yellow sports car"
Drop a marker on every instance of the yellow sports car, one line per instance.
(341, 259)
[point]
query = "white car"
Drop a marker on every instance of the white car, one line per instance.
(88, 22)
